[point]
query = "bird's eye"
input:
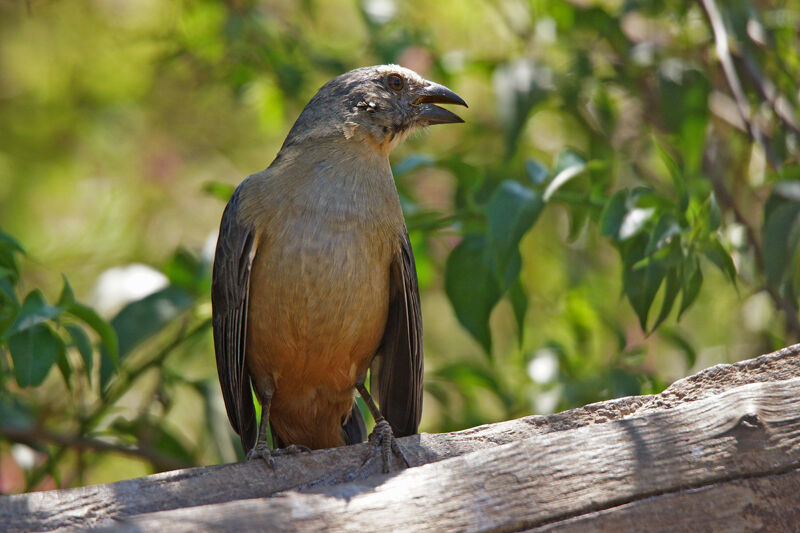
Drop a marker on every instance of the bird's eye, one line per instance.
(395, 82)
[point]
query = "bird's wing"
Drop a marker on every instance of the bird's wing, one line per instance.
(397, 371)
(230, 287)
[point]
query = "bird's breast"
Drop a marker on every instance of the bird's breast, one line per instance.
(319, 294)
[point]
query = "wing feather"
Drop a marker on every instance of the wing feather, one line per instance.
(396, 372)
(230, 287)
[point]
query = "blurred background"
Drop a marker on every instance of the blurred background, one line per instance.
(620, 209)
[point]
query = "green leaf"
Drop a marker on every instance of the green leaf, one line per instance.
(8, 293)
(186, 270)
(519, 303)
(714, 213)
(780, 234)
(666, 228)
(9, 248)
(108, 336)
(8, 242)
(566, 159)
(536, 170)
(81, 341)
(613, 214)
(568, 165)
(34, 350)
(63, 363)
(67, 297)
(578, 217)
(671, 289)
(669, 162)
(718, 255)
(34, 310)
(220, 190)
(512, 210)
(641, 284)
(140, 320)
(472, 288)
(692, 280)
(635, 221)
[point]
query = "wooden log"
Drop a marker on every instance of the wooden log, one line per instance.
(751, 431)
(730, 427)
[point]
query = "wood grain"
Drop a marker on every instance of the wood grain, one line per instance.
(747, 432)
(768, 503)
(728, 426)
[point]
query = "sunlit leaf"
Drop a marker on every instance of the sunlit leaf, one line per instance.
(634, 221)
(568, 166)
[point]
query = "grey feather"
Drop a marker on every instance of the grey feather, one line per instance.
(229, 299)
(396, 373)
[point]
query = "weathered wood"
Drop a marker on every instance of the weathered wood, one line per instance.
(531, 456)
(768, 503)
(749, 431)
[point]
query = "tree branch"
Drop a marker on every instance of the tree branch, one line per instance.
(726, 200)
(33, 436)
(779, 103)
(724, 54)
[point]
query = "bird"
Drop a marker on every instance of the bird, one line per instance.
(314, 282)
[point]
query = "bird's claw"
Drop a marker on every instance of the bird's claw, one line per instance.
(261, 450)
(382, 438)
(291, 449)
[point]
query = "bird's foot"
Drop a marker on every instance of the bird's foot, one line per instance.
(383, 440)
(261, 451)
(291, 449)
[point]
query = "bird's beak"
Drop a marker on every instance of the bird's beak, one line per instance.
(429, 113)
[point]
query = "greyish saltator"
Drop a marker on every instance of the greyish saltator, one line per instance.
(314, 280)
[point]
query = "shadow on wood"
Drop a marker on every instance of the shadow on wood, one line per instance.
(718, 451)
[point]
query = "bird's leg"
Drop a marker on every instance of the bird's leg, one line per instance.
(261, 448)
(382, 435)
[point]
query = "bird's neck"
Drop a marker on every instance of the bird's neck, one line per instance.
(335, 176)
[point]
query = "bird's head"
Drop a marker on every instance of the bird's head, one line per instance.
(380, 104)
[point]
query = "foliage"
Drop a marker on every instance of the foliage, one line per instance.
(623, 198)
